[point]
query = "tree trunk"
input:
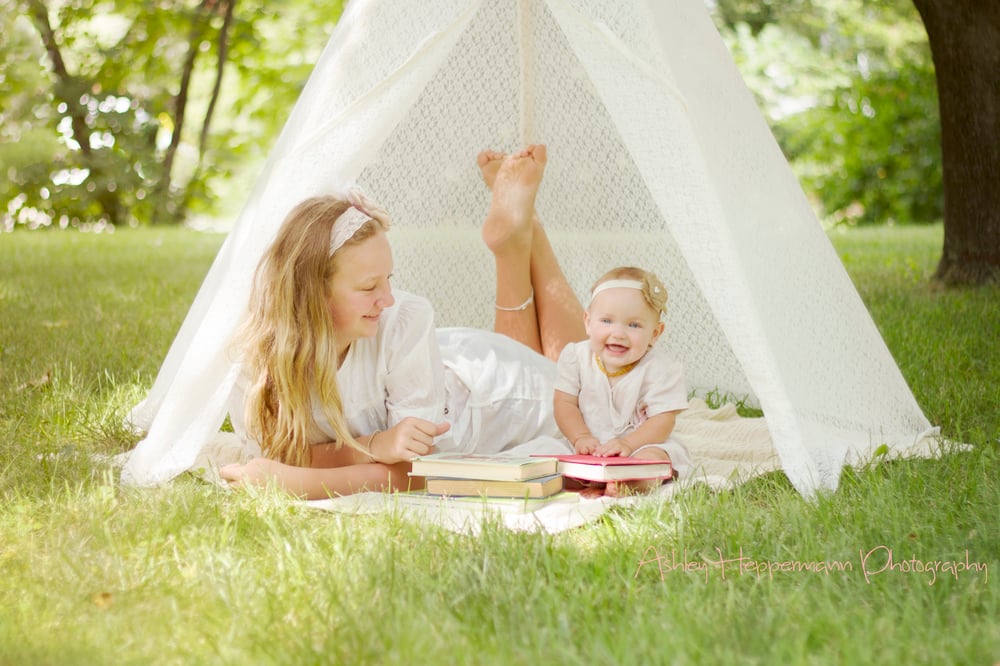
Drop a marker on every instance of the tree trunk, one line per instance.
(69, 89)
(220, 68)
(964, 37)
(166, 211)
(228, 8)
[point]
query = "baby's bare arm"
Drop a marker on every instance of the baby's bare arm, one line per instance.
(655, 430)
(570, 420)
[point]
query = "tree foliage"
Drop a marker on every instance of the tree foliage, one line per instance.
(849, 89)
(141, 111)
(126, 112)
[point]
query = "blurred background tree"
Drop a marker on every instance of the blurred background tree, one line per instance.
(118, 112)
(144, 112)
(848, 88)
(889, 111)
(964, 38)
(113, 111)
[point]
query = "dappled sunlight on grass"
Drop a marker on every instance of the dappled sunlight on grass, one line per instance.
(195, 573)
(944, 340)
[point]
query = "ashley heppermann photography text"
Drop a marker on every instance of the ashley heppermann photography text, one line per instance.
(870, 563)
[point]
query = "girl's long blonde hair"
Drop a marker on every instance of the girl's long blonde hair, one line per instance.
(288, 344)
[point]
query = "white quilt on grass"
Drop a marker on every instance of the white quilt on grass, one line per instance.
(725, 448)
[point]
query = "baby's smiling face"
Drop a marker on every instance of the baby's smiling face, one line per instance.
(621, 326)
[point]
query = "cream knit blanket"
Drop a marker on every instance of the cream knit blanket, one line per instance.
(725, 449)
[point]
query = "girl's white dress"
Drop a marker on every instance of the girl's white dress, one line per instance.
(495, 392)
(655, 385)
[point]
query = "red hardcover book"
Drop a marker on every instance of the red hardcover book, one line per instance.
(612, 468)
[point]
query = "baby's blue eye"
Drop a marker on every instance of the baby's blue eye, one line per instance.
(635, 325)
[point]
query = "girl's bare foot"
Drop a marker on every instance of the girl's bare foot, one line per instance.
(587, 489)
(508, 226)
(617, 488)
(639, 487)
(489, 162)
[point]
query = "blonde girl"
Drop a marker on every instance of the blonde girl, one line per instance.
(345, 379)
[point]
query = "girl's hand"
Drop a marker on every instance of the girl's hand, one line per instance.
(614, 447)
(586, 445)
(406, 440)
(257, 472)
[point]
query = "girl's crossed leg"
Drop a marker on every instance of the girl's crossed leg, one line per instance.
(535, 304)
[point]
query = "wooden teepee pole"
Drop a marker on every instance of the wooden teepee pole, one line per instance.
(527, 92)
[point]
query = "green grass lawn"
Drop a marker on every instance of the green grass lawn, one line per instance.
(191, 574)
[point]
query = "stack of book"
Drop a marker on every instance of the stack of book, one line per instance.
(477, 482)
(478, 475)
(517, 484)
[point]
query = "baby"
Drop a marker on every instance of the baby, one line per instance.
(617, 395)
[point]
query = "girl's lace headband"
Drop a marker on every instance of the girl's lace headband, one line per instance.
(350, 220)
(615, 284)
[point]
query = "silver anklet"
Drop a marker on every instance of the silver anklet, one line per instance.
(522, 306)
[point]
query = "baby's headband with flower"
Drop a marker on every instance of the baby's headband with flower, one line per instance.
(652, 290)
(361, 211)
(615, 284)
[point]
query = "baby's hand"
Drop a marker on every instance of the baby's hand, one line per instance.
(585, 446)
(614, 447)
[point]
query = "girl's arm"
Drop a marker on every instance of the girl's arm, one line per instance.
(413, 372)
(345, 470)
(654, 430)
(569, 418)
(341, 470)
(320, 483)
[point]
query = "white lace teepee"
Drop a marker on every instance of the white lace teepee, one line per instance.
(658, 157)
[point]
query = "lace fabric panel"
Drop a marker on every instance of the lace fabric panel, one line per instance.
(593, 202)
(598, 209)
(373, 39)
(832, 359)
(426, 175)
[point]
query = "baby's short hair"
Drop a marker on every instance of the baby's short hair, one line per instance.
(653, 290)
